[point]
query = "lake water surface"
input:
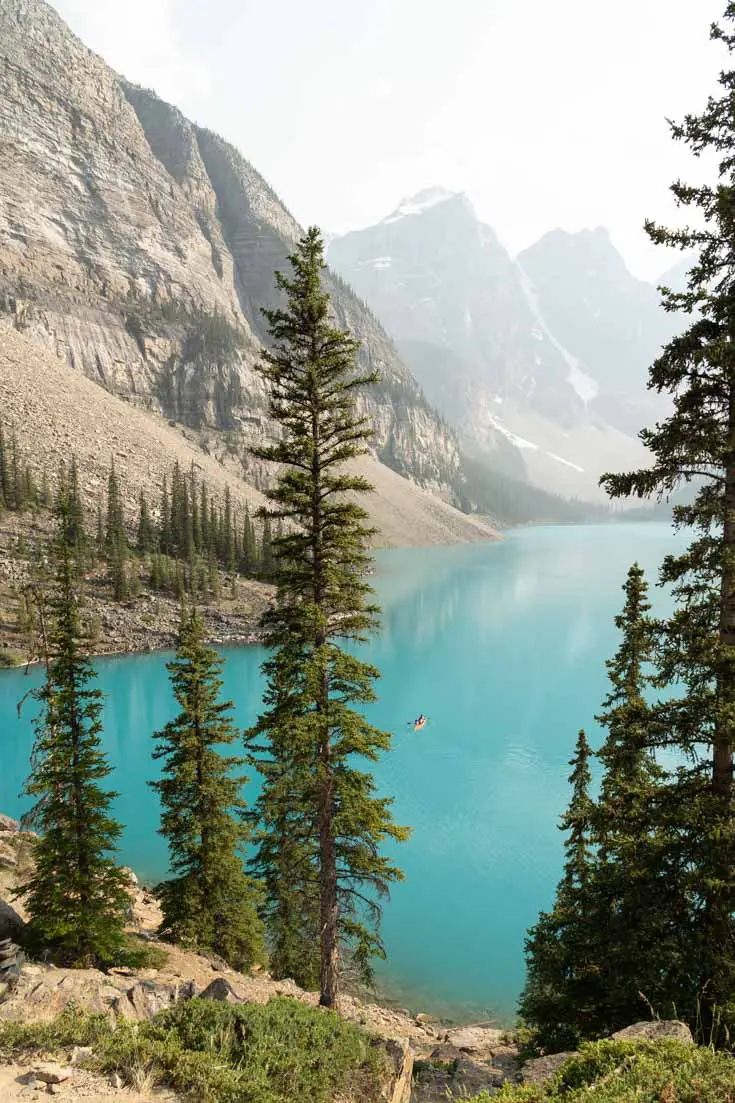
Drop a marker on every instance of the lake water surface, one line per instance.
(503, 646)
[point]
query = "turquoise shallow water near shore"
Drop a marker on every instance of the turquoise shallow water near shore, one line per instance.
(503, 647)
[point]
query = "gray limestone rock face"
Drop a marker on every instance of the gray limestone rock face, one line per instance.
(140, 248)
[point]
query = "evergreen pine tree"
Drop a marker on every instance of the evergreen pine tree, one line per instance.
(697, 442)
(145, 537)
(165, 514)
(323, 597)
(210, 902)
(16, 478)
(622, 928)
(563, 948)
(213, 575)
(229, 551)
(196, 527)
(116, 543)
(76, 515)
(267, 560)
(76, 896)
(640, 885)
(249, 554)
(205, 543)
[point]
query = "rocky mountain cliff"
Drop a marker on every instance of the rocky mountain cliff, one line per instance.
(140, 248)
(612, 324)
(541, 362)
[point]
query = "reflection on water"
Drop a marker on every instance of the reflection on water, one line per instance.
(503, 647)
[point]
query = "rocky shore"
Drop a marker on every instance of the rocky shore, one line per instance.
(458, 1058)
(147, 622)
(433, 1062)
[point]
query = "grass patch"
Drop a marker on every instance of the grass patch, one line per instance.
(283, 1052)
(136, 953)
(632, 1072)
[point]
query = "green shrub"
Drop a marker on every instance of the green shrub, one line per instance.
(139, 954)
(283, 1052)
(71, 1028)
(632, 1072)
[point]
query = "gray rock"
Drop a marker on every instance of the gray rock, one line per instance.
(11, 924)
(6, 824)
(544, 1068)
(80, 1053)
(220, 989)
(655, 1031)
(52, 1074)
(474, 1039)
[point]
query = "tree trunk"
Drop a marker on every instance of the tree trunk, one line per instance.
(328, 906)
(329, 911)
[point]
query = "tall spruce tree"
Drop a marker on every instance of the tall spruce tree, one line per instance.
(76, 896)
(210, 902)
(696, 443)
(116, 542)
(624, 926)
(641, 877)
(563, 948)
(312, 728)
(145, 539)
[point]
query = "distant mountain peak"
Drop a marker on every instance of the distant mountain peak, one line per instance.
(423, 201)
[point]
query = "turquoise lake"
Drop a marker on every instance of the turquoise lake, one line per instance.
(503, 646)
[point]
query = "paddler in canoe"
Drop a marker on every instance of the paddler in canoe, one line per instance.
(419, 722)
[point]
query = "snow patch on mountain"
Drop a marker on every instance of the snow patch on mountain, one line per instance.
(585, 386)
(520, 442)
(422, 201)
(568, 463)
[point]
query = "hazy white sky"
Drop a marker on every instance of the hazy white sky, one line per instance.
(546, 113)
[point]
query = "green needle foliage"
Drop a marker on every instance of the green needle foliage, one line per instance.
(618, 931)
(76, 897)
(314, 737)
(210, 902)
(640, 874)
(562, 949)
(697, 443)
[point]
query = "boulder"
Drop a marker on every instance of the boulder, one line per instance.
(544, 1068)
(505, 1058)
(6, 824)
(52, 1074)
(11, 924)
(81, 1053)
(655, 1031)
(221, 989)
(144, 1000)
(446, 1053)
(474, 1039)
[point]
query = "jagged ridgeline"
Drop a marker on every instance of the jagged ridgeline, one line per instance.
(184, 536)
